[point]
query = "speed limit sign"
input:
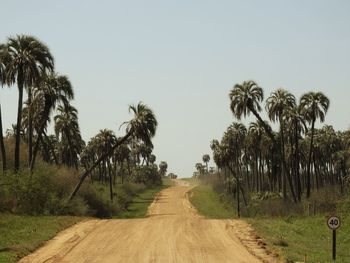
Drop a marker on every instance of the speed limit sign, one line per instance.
(333, 222)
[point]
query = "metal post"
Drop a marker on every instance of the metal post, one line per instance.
(334, 244)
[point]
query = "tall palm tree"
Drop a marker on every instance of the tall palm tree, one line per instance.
(280, 101)
(143, 127)
(206, 159)
(67, 130)
(238, 131)
(314, 105)
(26, 60)
(254, 140)
(106, 140)
(245, 99)
(296, 123)
(2, 144)
(53, 90)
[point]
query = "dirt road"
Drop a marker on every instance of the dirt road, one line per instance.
(173, 232)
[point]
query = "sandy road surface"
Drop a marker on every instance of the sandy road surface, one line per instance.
(173, 232)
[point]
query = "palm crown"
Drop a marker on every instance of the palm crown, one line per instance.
(245, 98)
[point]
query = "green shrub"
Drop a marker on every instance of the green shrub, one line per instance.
(99, 205)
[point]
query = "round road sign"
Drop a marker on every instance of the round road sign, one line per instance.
(333, 222)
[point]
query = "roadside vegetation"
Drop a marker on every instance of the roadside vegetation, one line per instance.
(21, 235)
(45, 179)
(286, 182)
(293, 237)
(211, 204)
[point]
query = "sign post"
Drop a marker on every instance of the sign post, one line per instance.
(333, 222)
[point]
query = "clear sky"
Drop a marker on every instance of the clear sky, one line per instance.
(182, 58)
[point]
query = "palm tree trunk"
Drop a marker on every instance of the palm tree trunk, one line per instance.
(98, 161)
(2, 146)
(309, 159)
(30, 127)
(19, 118)
(284, 183)
(297, 161)
(240, 187)
(110, 180)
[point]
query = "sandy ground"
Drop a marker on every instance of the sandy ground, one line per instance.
(172, 232)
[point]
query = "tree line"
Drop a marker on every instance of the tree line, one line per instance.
(293, 161)
(27, 63)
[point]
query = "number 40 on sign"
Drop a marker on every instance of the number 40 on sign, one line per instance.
(333, 222)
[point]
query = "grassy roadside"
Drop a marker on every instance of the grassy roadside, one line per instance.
(300, 239)
(294, 238)
(20, 235)
(191, 181)
(211, 204)
(140, 203)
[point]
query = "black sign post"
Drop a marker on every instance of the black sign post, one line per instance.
(334, 244)
(333, 223)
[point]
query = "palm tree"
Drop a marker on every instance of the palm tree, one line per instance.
(206, 159)
(2, 145)
(123, 154)
(152, 159)
(199, 168)
(314, 105)
(68, 132)
(276, 104)
(26, 59)
(245, 99)
(163, 167)
(238, 131)
(254, 140)
(53, 89)
(296, 123)
(142, 127)
(106, 140)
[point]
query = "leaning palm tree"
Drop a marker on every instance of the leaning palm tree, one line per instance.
(26, 59)
(245, 99)
(314, 105)
(280, 101)
(142, 127)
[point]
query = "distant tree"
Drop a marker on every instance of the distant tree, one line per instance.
(163, 167)
(200, 168)
(206, 159)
